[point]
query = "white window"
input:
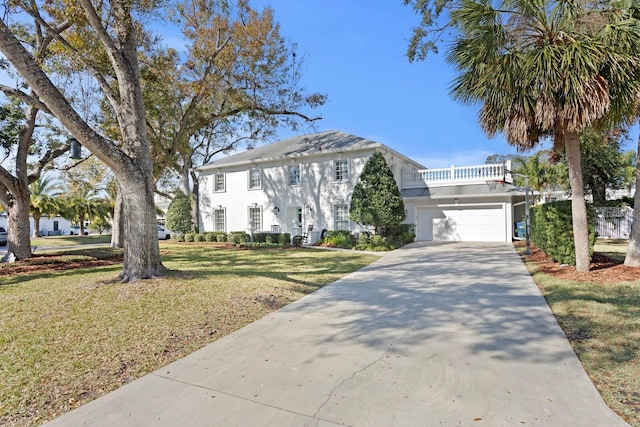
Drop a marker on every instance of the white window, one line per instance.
(255, 218)
(255, 179)
(294, 175)
(341, 170)
(341, 217)
(219, 220)
(219, 182)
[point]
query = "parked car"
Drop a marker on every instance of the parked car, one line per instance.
(163, 233)
(3, 236)
(74, 230)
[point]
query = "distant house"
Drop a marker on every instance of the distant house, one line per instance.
(308, 181)
(55, 225)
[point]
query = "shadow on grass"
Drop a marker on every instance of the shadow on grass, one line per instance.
(603, 318)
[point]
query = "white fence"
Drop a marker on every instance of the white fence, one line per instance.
(614, 223)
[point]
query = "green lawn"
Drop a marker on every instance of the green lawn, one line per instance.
(602, 322)
(68, 337)
(613, 248)
(69, 240)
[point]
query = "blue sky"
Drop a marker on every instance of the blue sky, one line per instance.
(355, 53)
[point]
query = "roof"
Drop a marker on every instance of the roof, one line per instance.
(305, 145)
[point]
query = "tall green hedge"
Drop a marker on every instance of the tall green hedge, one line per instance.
(552, 230)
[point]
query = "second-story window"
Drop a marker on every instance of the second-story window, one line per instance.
(294, 175)
(255, 179)
(341, 170)
(219, 182)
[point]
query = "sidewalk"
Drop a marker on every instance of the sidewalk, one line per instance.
(429, 335)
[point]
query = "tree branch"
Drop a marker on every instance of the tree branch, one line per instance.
(26, 98)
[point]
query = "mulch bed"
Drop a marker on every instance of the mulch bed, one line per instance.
(42, 263)
(602, 269)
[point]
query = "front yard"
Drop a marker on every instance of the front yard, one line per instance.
(69, 336)
(599, 312)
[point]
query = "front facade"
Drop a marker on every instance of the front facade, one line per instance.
(306, 183)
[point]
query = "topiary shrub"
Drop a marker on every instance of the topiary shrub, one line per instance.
(178, 217)
(284, 238)
(238, 237)
(297, 241)
(221, 237)
(189, 237)
(268, 239)
(209, 237)
(259, 237)
(552, 230)
(199, 237)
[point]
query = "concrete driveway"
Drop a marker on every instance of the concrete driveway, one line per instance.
(429, 335)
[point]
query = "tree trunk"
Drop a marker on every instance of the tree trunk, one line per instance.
(141, 250)
(578, 204)
(36, 225)
(18, 239)
(117, 222)
(632, 259)
(195, 201)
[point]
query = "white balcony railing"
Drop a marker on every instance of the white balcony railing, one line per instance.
(456, 175)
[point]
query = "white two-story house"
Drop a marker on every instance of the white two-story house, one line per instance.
(308, 181)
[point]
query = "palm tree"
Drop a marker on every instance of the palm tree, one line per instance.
(85, 205)
(42, 201)
(548, 68)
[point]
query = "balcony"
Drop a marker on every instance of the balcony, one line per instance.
(456, 176)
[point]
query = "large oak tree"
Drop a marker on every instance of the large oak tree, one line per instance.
(101, 38)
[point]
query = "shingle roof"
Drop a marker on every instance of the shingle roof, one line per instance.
(323, 142)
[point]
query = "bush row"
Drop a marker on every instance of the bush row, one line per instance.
(552, 230)
(390, 238)
(236, 237)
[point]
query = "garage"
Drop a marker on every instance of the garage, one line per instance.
(475, 223)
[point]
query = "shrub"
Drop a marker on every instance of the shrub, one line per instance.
(363, 239)
(284, 238)
(377, 240)
(178, 217)
(552, 230)
(268, 239)
(189, 237)
(259, 237)
(179, 237)
(238, 237)
(297, 241)
(339, 239)
(221, 237)
(209, 237)
(407, 238)
(199, 237)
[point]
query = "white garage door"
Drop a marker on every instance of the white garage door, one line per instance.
(465, 224)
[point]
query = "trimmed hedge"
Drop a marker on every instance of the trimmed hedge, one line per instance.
(552, 230)
(238, 237)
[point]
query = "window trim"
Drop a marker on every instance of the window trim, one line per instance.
(250, 219)
(335, 170)
(289, 169)
(224, 218)
(335, 217)
(215, 182)
(250, 180)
